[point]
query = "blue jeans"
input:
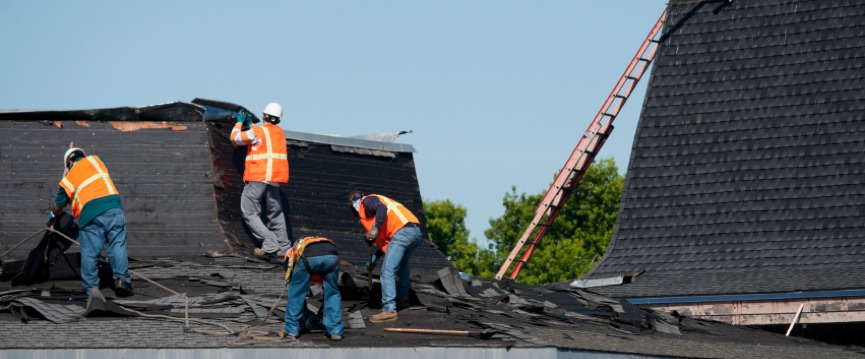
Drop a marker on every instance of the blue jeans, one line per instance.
(296, 319)
(396, 263)
(108, 227)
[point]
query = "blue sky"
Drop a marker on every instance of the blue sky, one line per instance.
(497, 93)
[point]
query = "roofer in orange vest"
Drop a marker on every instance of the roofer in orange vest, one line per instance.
(396, 233)
(316, 259)
(88, 189)
(265, 170)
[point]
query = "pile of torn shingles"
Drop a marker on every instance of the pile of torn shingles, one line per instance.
(224, 302)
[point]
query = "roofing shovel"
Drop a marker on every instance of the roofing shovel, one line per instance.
(487, 334)
(369, 271)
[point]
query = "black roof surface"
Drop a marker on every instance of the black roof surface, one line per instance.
(180, 182)
(747, 173)
(180, 179)
(230, 298)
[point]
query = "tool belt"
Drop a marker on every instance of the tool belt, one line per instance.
(296, 253)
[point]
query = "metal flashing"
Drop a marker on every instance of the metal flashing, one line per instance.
(599, 282)
(349, 142)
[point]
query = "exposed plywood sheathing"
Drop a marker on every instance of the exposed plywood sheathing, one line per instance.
(126, 126)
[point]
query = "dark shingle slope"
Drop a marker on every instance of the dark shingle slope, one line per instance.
(180, 179)
(229, 300)
(748, 165)
(157, 156)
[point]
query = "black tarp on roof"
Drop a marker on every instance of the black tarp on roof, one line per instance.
(748, 164)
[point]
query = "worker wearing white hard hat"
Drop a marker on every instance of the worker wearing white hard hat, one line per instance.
(87, 188)
(265, 169)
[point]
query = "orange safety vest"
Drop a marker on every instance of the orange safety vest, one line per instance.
(397, 217)
(87, 180)
(293, 255)
(268, 160)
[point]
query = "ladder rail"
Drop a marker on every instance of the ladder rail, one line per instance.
(583, 154)
(552, 216)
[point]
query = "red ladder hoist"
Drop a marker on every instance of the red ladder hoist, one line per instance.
(582, 156)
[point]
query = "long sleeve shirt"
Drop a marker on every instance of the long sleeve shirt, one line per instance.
(373, 207)
(243, 138)
(246, 138)
(92, 209)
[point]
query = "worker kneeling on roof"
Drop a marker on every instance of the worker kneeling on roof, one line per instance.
(396, 232)
(312, 258)
(88, 189)
(265, 170)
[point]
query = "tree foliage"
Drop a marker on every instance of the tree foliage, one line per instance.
(578, 236)
(569, 249)
(445, 222)
(447, 229)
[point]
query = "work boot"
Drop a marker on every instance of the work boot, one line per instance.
(261, 253)
(384, 316)
(282, 335)
(122, 288)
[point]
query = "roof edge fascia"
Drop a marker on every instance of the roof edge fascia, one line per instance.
(749, 297)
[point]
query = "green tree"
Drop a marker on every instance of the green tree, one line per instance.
(578, 236)
(445, 222)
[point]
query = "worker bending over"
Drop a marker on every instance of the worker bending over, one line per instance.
(265, 170)
(396, 232)
(316, 259)
(87, 187)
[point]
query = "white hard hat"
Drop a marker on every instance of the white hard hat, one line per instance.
(273, 109)
(72, 151)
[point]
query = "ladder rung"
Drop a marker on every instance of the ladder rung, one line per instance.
(620, 96)
(629, 77)
(644, 59)
(608, 114)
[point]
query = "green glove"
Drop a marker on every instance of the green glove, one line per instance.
(371, 264)
(243, 118)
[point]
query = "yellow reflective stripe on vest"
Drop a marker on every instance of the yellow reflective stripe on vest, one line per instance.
(269, 172)
(71, 188)
(105, 178)
(99, 174)
(392, 205)
(68, 185)
(261, 157)
(87, 182)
